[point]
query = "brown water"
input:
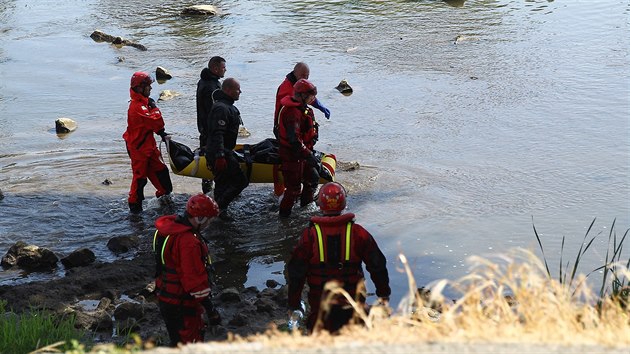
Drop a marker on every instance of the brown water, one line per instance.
(469, 121)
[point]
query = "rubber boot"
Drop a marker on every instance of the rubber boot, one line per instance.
(135, 208)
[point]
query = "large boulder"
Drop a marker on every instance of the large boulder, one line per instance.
(29, 257)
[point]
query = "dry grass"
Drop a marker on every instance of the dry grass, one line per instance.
(508, 299)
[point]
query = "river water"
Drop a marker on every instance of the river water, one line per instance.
(472, 121)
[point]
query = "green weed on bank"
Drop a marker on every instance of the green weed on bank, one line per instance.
(33, 330)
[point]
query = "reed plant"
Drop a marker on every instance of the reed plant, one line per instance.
(613, 283)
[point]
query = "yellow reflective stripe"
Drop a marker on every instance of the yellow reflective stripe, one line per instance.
(320, 242)
(164, 247)
(154, 239)
(348, 229)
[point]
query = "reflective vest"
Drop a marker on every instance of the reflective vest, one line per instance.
(334, 256)
(168, 282)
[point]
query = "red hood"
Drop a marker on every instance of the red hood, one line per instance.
(138, 97)
(288, 101)
(166, 225)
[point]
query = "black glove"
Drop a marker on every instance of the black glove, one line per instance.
(164, 135)
(151, 103)
(214, 318)
(312, 161)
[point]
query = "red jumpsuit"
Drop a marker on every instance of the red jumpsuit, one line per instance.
(182, 282)
(345, 246)
(297, 135)
(146, 160)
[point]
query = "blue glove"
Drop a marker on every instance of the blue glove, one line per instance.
(317, 104)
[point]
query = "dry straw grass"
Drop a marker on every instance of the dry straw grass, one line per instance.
(508, 299)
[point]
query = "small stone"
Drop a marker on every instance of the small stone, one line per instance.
(243, 132)
(271, 283)
(200, 10)
(344, 87)
(106, 182)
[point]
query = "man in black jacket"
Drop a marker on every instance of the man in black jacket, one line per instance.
(207, 85)
(223, 125)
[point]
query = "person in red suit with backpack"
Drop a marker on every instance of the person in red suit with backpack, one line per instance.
(182, 270)
(334, 247)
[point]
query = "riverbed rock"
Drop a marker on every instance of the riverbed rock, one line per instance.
(344, 87)
(100, 36)
(168, 94)
(200, 10)
(230, 295)
(243, 132)
(129, 310)
(29, 257)
(161, 74)
(122, 244)
(65, 125)
(79, 258)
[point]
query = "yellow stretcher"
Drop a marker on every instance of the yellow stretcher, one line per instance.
(257, 172)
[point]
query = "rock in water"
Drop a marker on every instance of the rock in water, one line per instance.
(344, 88)
(65, 125)
(243, 132)
(200, 10)
(168, 94)
(162, 74)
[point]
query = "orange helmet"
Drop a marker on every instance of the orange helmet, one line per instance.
(331, 198)
(305, 86)
(140, 78)
(201, 205)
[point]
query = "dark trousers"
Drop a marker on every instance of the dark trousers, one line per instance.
(184, 324)
(229, 183)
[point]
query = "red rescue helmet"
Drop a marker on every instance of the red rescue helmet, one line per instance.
(140, 78)
(331, 198)
(201, 205)
(305, 86)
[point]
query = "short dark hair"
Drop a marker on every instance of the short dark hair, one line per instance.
(216, 60)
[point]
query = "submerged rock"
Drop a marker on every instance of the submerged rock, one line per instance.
(200, 10)
(65, 125)
(100, 36)
(168, 94)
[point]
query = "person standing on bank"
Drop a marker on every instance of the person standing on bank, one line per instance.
(144, 119)
(333, 247)
(297, 135)
(182, 270)
(207, 85)
(300, 71)
(223, 125)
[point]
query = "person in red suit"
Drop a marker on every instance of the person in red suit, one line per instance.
(182, 271)
(334, 247)
(297, 135)
(143, 120)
